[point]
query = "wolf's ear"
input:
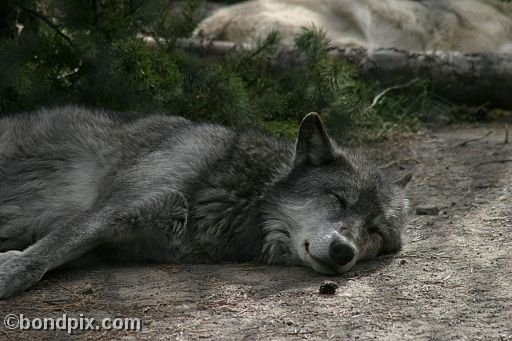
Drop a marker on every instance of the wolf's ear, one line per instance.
(404, 180)
(313, 144)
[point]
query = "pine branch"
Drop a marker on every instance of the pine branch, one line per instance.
(49, 23)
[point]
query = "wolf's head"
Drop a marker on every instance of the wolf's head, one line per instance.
(333, 208)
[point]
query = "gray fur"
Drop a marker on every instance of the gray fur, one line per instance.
(76, 183)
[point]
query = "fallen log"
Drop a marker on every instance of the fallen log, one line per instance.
(469, 78)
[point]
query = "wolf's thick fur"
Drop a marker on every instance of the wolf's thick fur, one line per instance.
(76, 184)
(416, 25)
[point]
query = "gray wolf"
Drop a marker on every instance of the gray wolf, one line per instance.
(414, 25)
(76, 184)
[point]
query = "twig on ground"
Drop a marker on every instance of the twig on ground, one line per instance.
(463, 143)
(496, 218)
(447, 277)
(491, 162)
(395, 87)
(506, 134)
(415, 220)
(394, 162)
(304, 332)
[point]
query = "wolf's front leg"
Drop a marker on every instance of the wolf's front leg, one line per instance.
(21, 270)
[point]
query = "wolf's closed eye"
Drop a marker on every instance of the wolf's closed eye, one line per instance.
(341, 201)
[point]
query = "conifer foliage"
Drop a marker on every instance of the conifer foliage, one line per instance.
(91, 52)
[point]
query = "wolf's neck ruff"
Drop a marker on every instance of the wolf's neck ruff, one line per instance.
(226, 202)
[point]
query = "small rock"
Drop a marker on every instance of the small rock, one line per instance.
(402, 262)
(427, 210)
(87, 290)
(328, 288)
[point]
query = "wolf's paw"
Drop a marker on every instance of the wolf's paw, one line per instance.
(5, 256)
(166, 211)
(18, 273)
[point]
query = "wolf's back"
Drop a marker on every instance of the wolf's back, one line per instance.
(63, 131)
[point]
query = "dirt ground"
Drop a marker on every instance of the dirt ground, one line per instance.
(453, 279)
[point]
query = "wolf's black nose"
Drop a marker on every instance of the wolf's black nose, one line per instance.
(340, 252)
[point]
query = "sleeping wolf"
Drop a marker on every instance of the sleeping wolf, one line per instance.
(76, 184)
(418, 25)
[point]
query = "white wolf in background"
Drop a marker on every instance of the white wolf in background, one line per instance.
(421, 25)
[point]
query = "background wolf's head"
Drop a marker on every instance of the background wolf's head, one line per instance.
(333, 208)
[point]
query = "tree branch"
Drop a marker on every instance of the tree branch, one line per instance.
(391, 88)
(49, 23)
